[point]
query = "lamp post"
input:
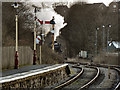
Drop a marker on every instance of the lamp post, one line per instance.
(34, 53)
(96, 40)
(16, 5)
(109, 26)
(103, 38)
(53, 27)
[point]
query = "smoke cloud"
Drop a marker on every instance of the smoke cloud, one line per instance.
(45, 13)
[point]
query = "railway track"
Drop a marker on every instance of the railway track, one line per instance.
(117, 69)
(117, 87)
(112, 67)
(83, 79)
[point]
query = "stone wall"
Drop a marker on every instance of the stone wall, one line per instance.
(40, 80)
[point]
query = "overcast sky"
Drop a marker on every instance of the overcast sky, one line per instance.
(47, 13)
(106, 2)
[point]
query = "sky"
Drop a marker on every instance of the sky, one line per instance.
(106, 2)
(47, 13)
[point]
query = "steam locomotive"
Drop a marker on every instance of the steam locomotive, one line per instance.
(57, 46)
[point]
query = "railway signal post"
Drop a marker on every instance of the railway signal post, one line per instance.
(41, 47)
(53, 27)
(43, 35)
(16, 5)
(39, 39)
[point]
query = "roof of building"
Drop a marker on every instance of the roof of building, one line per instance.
(115, 43)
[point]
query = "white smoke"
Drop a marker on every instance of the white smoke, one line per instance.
(46, 13)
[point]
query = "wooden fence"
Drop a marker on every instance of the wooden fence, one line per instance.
(8, 56)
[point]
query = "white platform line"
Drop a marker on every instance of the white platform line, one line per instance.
(30, 73)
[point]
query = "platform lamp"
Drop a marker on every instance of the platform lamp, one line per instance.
(34, 53)
(109, 26)
(16, 5)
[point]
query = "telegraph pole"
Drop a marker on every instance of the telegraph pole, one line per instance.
(34, 53)
(16, 5)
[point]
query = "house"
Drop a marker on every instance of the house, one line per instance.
(114, 46)
(101, 6)
(113, 7)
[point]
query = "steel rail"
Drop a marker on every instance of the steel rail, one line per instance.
(79, 74)
(115, 67)
(118, 85)
(71, 80)
(92, 80)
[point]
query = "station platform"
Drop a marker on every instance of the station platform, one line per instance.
(23, 69)
(29, 71)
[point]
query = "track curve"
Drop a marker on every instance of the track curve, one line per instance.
(84, 72)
